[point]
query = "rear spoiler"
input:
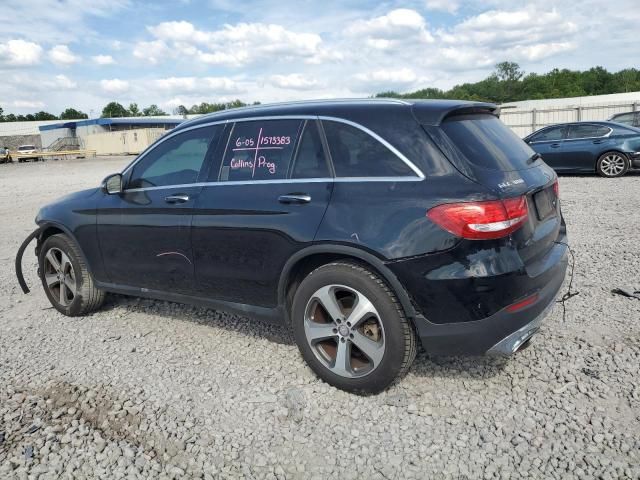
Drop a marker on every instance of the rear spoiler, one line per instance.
(426, 114)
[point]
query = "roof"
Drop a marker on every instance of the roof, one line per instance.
(591, 100)
(115, 121)
(24, 128)
(430, 112)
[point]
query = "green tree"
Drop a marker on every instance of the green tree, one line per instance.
(72, 114)
(134, 111)
(153, 111)
(114, 110)
(45, 116)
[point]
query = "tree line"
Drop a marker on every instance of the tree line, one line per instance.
(508, 83)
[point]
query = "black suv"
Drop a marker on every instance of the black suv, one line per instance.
(362, 224)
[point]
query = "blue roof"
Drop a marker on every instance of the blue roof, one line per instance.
(113, 121)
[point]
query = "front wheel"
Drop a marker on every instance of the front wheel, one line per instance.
(612, 164)
(66, 279)
(351, 329)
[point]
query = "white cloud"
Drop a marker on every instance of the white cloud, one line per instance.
(152, 52)
(61, 55)
(205, 85)
(398, 27)
(232, 45)
(114, 85)
(64, 82)
(27, 104)
(386, 79)
(449, 6)
(294, 81)
(103, 59)
(20, 53)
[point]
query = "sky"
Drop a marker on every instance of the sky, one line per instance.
(84, 53)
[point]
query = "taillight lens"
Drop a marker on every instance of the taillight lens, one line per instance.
(481, 220)
(556, 188)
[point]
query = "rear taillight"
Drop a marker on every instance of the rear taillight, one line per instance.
(481, 220)
(556, 188)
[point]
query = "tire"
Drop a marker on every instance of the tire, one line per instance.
(612, 164)
(383, 332)
(66, 279)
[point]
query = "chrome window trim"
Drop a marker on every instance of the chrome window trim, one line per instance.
(419, 175)
(591, 138)
(284, 180)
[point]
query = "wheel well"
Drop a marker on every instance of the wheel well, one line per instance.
(306, 265)
(46, 233)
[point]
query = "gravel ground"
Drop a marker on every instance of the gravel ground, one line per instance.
(147, 389)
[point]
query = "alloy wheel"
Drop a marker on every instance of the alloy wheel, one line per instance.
(60, 276)
(344, 330)
(612, 165)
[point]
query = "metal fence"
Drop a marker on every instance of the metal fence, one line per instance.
(524, 122)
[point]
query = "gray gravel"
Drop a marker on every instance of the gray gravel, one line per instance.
(146, 389)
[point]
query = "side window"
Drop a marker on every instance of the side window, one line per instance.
(310, 161)
(587, 131)
(357, 154)
(626, 118)
(175, 161)
(260, 150)
(550, 134)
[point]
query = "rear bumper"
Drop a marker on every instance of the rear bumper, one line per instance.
(501, 333)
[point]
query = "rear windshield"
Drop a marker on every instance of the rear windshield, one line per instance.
(27, 147)
(487, 142)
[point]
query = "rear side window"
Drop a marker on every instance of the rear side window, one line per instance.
(310, 160)
(260, 150)
(175, 161)
(355, 153)
(626, 118)
(587, 131)
(487, 142)
(550, 134)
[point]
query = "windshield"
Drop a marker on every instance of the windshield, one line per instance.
(487, 142)
(27, 147)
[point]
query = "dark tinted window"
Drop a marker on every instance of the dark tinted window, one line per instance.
(587, 131)
(310, 161)
(626, 118)
(175, 161)
(260, 150)
(553, 133)
(357, 154)
(487, 142)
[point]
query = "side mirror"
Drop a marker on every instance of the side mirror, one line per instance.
(112, 184)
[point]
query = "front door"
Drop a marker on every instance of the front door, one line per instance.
(144, 232)
(265, 201)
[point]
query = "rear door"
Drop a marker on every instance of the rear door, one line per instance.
(549, 143)
(584, 144)
(264, 201)
(144, 232)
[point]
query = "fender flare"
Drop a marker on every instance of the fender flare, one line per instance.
(358, 253)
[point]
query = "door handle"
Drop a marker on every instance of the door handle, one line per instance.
(177, 198)
(554, 145)
(596, 142)
(294, 198)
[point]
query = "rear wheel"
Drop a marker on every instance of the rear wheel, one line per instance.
(66, 279)
(351, 329)
(612, 164)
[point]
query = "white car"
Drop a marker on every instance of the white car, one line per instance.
(27, 150)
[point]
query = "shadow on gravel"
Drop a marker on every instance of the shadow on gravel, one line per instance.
(476, 368)
(203, 316)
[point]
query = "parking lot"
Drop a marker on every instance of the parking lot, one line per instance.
(151, 389)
